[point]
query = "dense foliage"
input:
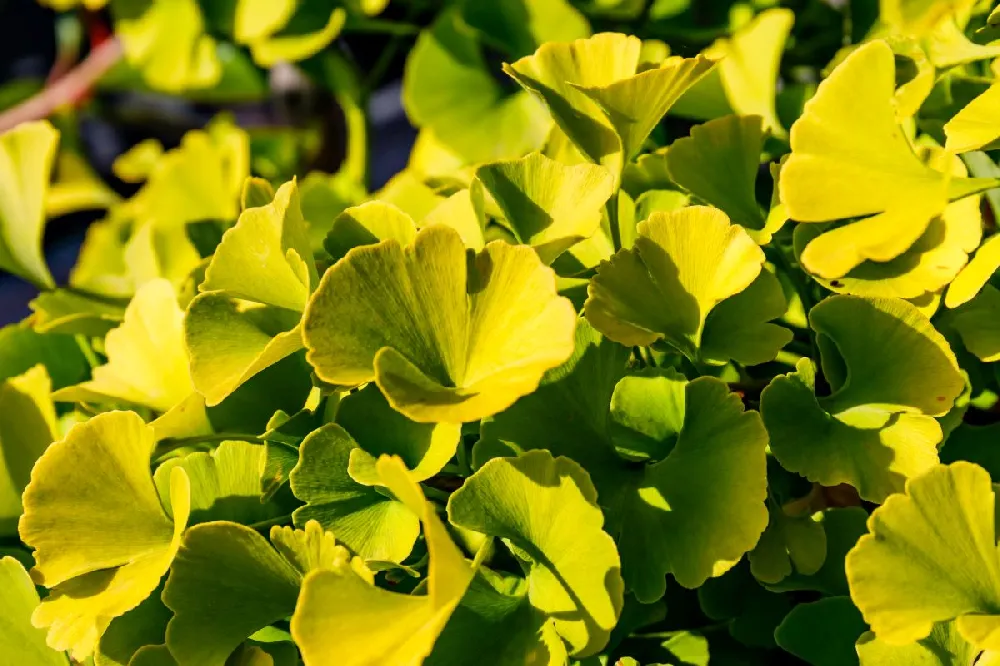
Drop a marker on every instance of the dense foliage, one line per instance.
(643, 359)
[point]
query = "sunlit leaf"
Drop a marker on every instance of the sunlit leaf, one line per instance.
(19, 640)
(343, 620)
(930, 557)
(102, 540)
(683, 265)
(444, 339)
(253, 296)
(548, 205)
(598, 96)
(944, 646)
(27, 427)
(167, 42)
(976, 125)
(876, 428)
(974, 276)
(546, 510)
(147, 362)
(372, 525)
(286, 31)
(26, 156)
(227, 582)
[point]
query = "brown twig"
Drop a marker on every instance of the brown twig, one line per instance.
(67, 89)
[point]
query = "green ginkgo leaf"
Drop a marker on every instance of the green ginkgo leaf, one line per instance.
(931, 556)
(682, 265)
(449, 89)
(977, 324)
(518, 27)
(26, 156)
(341, 619)
(944, 646)
(718, 164)
(253, 295)
(877, 427)
(545, 509)
(497, 621)
(227, 582)
(790, 543)
(548, 205)
(378, 429)
(598, 96)
(374, 526)
(663, 519)
(225, 483)
(745, 81)
(147, 361)
(27, 427)
(976, 125)
(167, 42)
(20, 642)
(102, 540)
(368, 224)
(740, 328)
(144, 625)
(444, 338)
(22, 348)
(822, 632)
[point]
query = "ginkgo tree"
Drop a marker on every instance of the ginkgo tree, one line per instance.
(674, 342)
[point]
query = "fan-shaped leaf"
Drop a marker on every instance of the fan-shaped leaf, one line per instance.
(930, 557)
(20, 642)
(445, 339)
(545, 509)
(343, 620)
(102, 540)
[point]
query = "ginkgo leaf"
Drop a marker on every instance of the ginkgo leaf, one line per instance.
(977, 324)
(102, 540)
(599, 98)
(27, 427)
(822, 632)
(26, 156)
(682, 265)
(789, 541)
(968, 283)
(915, 17)
(497, 622)
(227, 582)
(745, 81)
(449, 89)
(144, 625)
(167, 42)
(546, 510)
(663, 519)
(21, 642)
(253, 295)
(286, 31)
(199, 180)
(378, 429)
(372, 525)
(931, 556)
(944, 646)
(465, 212)
(850, 158)
(975, 126)
(343, 620)
(444, 338)
(367, 224)
(548, 205)
(740, 328)
(718, 164)
(876, 428)
(147, 362)
(519, 26)
(225, 483)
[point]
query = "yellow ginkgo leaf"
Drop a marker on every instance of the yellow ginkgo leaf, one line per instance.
(147, 362)
(849, 157)
(974, 276)
(343, 620)
(977, 125)
(101, 537)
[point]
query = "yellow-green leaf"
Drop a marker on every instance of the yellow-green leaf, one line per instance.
(20, 642)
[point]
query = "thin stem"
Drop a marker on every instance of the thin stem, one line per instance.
(87, 351)
(787, 357)
(616, 232)
(66, 90)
